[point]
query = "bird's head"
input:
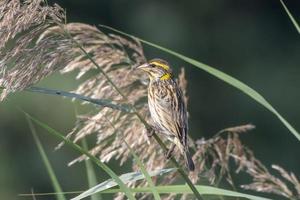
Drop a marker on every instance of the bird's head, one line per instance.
(157, 69)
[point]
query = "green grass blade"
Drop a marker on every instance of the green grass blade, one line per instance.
(91, 175)
(100, 102)
(290, 16)
(126, 178)
(144, 171)
(54, 181)
(76, 147)
(184, 189)
(46, 194)
(222, 76)
(175, 189)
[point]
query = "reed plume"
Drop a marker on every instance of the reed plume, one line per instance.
(36, 42)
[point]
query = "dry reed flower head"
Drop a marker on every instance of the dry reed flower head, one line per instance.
(23, 63)
(263, 181)
(35, 43)
(55, 46)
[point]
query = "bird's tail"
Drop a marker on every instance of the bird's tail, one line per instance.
(189, 161)
(187, 157)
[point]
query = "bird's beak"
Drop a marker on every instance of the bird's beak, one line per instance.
(143, 66)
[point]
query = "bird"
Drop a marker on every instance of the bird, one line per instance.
(167, 107)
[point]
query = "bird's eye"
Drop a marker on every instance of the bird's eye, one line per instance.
(152, 65)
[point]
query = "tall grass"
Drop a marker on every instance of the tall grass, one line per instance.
(57, 188)
(122, 117)
(104, 187)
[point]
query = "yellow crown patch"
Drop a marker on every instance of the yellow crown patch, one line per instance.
(164, 66)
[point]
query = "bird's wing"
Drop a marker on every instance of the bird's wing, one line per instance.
(174, 117)
(181, 118)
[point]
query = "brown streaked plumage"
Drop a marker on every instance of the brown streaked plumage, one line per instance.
(167, 107)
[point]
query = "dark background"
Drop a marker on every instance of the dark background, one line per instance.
(253, 41)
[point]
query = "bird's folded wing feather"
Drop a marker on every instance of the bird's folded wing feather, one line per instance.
(174, 113)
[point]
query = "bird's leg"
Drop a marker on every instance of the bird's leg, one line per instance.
(151, 130)
(170, 151)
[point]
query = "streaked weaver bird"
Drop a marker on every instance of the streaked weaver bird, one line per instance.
(167, 108)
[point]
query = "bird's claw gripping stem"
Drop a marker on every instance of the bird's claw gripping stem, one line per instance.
(150, 132)
(170, 151)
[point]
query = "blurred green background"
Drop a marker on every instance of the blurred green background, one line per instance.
(253, 41)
